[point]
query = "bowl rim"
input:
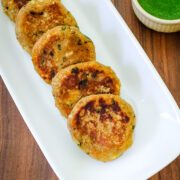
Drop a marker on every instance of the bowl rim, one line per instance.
(153, 18)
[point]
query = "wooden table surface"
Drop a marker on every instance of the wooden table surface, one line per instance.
(20, 156)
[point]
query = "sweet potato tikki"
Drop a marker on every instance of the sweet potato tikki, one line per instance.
(60, 47)
(12, 7)
(80, 80)
(102, 126)
(38, 16)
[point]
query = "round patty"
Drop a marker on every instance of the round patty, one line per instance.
(80, 80)
(38, 16)
(60, 47)
(12, 7)
(102, 126)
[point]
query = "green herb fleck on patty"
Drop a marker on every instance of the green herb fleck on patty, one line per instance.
(51, 53)
(75, 70)
(35, 34)
(52, 73)
(80, 144)
(79, 42)
(59, 46)
(63, 28)
(83, 83)
(32, 13)
(41, 32)
(42, 61)
(77, 26)
(113, 101)
(64, 59)
(93, 75)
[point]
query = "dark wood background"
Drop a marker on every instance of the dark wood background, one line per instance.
(20, 156)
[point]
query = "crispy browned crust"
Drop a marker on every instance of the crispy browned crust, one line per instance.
(12, 7)
(80, 80)
(60, 47)
(102, 126)
(38, 16)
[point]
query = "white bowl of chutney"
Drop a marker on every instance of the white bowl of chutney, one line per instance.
(157, 22)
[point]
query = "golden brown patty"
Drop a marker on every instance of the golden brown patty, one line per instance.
(83, 79)
(102, 126)
(60, 47)
(12, 7)
(38, 16)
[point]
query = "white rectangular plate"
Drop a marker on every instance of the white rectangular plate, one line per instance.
(157, 134)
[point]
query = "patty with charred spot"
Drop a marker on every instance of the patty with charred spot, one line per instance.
(80, 80)
(38, 16)
(60, 47)
(12, 7)
(102, 126)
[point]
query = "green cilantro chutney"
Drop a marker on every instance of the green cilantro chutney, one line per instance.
(164, 9)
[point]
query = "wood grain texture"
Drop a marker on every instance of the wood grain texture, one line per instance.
(20, 156)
